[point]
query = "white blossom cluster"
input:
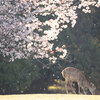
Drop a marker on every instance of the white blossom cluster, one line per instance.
(19, 22)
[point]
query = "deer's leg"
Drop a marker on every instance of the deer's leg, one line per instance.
(72, 87)
(79, 88)
(66, 86)
(83, 90)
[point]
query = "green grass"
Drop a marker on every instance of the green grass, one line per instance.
(50, 97)
(55, 88)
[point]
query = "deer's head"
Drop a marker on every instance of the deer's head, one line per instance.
(92, 88)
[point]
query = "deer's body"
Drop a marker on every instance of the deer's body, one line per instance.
(72, 74)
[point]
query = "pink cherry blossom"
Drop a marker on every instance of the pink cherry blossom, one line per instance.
(19, 22)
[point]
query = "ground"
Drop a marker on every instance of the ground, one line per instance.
(50, 97)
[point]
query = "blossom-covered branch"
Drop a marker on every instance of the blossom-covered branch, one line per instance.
(23, 32)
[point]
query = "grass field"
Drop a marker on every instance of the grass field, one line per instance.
(50, 97)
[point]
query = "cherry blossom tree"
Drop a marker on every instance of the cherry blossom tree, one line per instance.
(29, 27)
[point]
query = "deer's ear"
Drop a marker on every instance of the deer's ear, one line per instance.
(93, 85)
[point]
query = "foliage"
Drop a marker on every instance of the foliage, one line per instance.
(17, 76)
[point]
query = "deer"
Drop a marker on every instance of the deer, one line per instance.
(71, 74)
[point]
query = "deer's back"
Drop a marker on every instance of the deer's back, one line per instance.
(73, 74)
